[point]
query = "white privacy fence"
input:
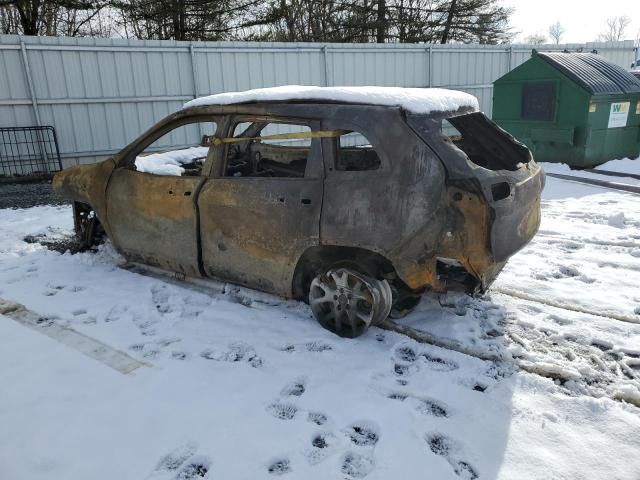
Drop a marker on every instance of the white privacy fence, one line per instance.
(99, 94)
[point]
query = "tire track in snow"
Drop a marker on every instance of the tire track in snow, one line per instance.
(565, 306)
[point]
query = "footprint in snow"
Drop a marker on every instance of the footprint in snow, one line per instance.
(47, 320)
(279, 466)
(363, 434)
(447, 448)
(423, 406)
(196, 468)
(183, 464)
(237, 352)
(116, 313)
(313, 346)
(160, 298)
(176, 458)
(294, 389)
(165, 342)
(566, 271)
(570, 247)
(318, 346)
(178, 355)
(317, 418)
(322, 446)
(439, 364)
(356, 465)
(283, 411)
(432, 408)
(145, 325)
(406, 355)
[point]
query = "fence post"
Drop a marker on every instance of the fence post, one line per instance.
(510, 53)
(326, 65)
(194, 74)
(194, 70)
(32, 91)
(430, 65)
(34, 102)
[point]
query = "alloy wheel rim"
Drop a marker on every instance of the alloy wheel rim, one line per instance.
(347, 302)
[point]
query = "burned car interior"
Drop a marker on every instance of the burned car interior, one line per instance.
(285, 154)
(261, 149)
(256, 151)
(385, 204)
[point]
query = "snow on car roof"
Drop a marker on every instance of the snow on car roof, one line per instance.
(415, 100)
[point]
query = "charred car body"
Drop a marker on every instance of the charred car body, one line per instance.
(355, 205)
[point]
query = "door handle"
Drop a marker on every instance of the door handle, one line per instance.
(305, 201)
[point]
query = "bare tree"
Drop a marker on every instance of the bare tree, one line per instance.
(482, 21)
(54, 17)
(535, 39)
(415, 21)
(556, 31)
(615, 30)
(9, 20)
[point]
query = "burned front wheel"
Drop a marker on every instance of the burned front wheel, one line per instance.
(89, 231)
(347, 302)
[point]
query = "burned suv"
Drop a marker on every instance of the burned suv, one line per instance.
(356, 199)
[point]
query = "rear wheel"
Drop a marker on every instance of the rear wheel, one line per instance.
(347, 302)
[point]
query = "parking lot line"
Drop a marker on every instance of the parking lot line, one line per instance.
(80, 342)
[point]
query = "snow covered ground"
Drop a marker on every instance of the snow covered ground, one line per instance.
(241, 385)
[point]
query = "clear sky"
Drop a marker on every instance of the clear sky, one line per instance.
(583, 20)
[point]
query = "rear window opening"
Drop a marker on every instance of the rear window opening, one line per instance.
(484, 143)
(356, 154)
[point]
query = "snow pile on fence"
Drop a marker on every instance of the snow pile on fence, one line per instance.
(169, 163)
(415, 100)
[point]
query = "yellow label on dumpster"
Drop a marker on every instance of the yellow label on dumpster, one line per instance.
(638, 108)
(592, 107)
(619, 114)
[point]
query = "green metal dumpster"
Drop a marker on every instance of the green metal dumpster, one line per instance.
(575, 108)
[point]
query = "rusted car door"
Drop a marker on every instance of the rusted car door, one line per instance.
(254, 228)
(153, 218)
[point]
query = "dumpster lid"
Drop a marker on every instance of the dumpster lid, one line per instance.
(593, 72)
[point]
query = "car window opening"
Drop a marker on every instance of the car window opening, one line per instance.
(356, 154)
(484, 143)
(264, 157)
(185, 160)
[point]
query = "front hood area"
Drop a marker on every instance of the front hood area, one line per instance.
(84, 183)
